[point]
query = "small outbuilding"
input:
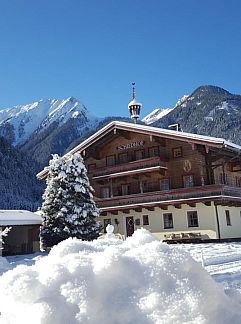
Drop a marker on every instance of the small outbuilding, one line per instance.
(23, 237)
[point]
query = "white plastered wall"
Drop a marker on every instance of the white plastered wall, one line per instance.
(226, 231)
(206, 218)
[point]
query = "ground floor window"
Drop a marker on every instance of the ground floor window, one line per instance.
(192, 218)
(228, 219)
(107, 221)
(168, 220)
(145, 220)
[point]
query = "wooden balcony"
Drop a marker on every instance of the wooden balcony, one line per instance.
(139, 166)
(175, 197)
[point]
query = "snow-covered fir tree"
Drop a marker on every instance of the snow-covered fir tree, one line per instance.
(3, 234)
(68, 209)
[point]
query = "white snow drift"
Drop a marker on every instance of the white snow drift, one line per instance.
(140, 280)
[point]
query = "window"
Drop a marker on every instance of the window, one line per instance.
(223, 178)
(125, 189)
(177, 152)
(192, 218)
(238, 182)
(105, 192)
(110, 160)
(145, 219)
(165, 185)
(123, 157)
(106, 222)
(188, 181)
(167, 220)
(91, 167)
(140, 154)
(228, 219)
(153, 151)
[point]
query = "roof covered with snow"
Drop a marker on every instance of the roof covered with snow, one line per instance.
(19, 217)
(155, 131)
(182, 136)
(134, 102)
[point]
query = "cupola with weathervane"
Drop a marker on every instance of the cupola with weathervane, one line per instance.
(134, 106)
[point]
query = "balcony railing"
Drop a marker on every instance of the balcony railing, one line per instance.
(177, 194)
(129, 166)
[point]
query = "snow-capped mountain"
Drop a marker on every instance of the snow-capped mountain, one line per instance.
(158, 113)
(55, 126)
(20, 122)
(209, 110)
(155, 115)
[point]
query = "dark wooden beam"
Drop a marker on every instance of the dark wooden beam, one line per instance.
(103, 214)
(126, 211)
(164, 207)
(207, 203)
(114, 212)
(191, 204)
(138, 209)
(150, 208)
(178, 206)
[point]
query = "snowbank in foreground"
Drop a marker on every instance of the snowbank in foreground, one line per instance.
(4, 265)
(139, 281)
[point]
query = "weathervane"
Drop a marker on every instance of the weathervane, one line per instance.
(134, 106)
(133, 90)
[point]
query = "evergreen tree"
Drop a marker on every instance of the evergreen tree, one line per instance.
(68, 208)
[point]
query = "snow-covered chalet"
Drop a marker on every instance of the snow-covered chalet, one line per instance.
(180, 186)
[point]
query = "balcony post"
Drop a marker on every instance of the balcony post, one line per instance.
(111, 188)
(141, 184)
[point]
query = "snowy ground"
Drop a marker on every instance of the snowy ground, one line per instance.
(222, 261)
(139, 281)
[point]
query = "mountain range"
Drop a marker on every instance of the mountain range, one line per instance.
(209, 110)
(31, 133)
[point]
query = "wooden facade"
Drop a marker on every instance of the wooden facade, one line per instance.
(141, 174)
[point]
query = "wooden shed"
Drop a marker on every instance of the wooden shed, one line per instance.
(23, 237)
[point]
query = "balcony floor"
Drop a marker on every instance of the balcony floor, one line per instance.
(205, 194)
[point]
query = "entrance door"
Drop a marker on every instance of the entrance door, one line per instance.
(129, 226)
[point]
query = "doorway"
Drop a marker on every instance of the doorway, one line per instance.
(129, 226)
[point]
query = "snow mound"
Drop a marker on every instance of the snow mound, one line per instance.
(4, 265)
(106, 281)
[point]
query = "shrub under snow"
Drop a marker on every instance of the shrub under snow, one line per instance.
(140, 280)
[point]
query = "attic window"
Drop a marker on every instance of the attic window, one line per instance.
(153, 151)
(177, 152)
(110, 160)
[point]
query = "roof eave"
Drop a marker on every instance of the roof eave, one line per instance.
(144, 129)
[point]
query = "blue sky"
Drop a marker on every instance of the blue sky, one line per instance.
(93, 50)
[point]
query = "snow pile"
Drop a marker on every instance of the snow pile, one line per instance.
(4, 266)
(140, 280)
